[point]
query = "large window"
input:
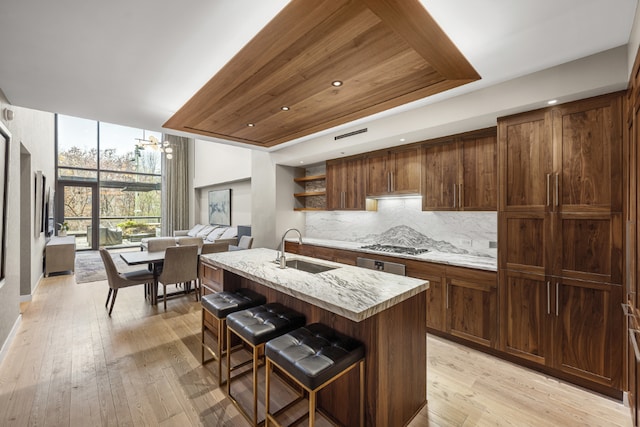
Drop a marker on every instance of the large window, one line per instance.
(119, 177)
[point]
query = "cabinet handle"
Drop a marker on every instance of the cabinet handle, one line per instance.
(392, 183)
(557, 191)
(557, 298)
(548, 297)
(389, 182)
(634, 342)
(548, 189)
(342, 199)
(455, 197)
(460, 196)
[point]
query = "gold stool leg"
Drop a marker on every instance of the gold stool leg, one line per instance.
(362, 393)
(228, 362)
(267, 385)
(312, 408)
(202, 337)
(221, 323)
(255, 385)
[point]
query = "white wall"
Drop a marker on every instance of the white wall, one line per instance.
(218, 167)
(240, 202)
(35, 131)
(263, 200)
(218, 163)
(634, 41)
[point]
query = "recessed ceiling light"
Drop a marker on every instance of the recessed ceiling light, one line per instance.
(301, 161)
(402, 140)
(284, 108)
(336, 83)
(553, 101)
(250, 125)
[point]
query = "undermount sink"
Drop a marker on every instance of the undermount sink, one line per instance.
(309, 267)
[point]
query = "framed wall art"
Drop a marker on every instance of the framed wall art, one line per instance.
(220, 207)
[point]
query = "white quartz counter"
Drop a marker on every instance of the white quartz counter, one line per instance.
(459, 260)
(352, 292)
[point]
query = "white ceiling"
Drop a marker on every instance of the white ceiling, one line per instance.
(136, 62)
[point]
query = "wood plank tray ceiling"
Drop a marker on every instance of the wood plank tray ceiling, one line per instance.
(386, 53)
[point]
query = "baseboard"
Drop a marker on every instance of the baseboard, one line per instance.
(28, 298)
(9, 340)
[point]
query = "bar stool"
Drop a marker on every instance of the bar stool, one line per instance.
(219, 305)
(255, 326)
(313, 356)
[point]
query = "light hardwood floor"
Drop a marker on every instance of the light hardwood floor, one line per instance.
(72, 365)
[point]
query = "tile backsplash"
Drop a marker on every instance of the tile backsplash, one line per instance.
(402, 222)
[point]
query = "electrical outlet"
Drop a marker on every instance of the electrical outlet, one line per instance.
(493, 244)
(466, 242)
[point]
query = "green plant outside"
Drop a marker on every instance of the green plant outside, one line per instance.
(130, 227)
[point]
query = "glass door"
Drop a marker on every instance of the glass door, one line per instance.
(77, 207)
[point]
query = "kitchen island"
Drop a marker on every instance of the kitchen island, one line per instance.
(384, 311)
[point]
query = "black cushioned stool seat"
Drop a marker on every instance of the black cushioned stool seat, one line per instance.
(219, 305)
(255, 326)
(314, 356)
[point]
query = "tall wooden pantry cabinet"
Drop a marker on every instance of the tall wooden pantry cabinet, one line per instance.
(560, 239)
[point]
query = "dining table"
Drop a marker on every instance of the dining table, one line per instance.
(155, 260)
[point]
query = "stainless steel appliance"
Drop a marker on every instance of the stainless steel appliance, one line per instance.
(395, 249)
(386, 266)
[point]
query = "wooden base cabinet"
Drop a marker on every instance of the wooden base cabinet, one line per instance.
(472, 305)
(526, 309)
(460, 301)
(587, 331)
(572, 326)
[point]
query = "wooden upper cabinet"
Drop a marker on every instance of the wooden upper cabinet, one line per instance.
(334, 184)
(479, 185)
(526, 159)
(567, 158)
(393, 172)
(346, 184)
(589, 135)
(440, 172)
(461, 173)
(405, 176)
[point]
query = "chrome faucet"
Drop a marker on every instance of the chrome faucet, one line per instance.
(281, 258)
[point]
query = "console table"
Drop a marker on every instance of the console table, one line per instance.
(60, 255)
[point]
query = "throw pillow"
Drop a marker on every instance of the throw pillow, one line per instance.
(230, 233)
(205, 230)
(215, 234)
(196, 228)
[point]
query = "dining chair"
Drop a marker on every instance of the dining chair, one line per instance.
(119, 280)
(160, 244)
(180, 266)
(245, 242)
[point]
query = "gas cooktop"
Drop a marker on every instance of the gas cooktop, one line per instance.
(395, 249)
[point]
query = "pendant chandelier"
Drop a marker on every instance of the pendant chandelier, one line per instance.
(154, 144)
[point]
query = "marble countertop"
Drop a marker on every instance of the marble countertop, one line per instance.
(459, 260)
(352, 292)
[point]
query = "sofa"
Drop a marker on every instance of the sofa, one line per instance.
(210, 238)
